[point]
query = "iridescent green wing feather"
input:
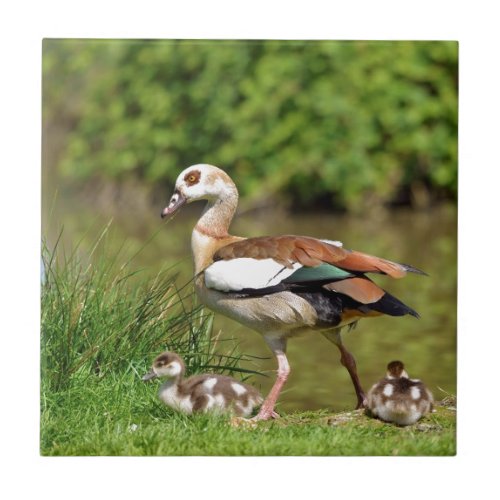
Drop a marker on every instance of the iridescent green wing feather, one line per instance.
(323, 272)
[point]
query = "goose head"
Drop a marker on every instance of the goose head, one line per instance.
(166, 365)
(396, 369)
(200, 182)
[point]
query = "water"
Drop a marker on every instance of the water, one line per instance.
(426, 240)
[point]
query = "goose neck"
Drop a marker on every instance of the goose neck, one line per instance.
(217, 216)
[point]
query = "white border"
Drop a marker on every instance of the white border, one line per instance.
(475, 26)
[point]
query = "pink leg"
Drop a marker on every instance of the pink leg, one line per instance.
(267, 409)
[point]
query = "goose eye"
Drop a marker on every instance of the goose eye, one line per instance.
(192, 177)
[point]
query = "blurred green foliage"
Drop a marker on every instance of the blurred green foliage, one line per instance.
(350, 124)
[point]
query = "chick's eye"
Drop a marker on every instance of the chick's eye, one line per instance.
(191, 178)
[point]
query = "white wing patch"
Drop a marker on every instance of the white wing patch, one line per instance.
(415, 392)
(245, 272)
(209, 383)
(334, 243)
(388, 390)
(238, 388)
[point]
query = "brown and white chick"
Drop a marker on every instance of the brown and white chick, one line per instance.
(398, 398)
(201, 393)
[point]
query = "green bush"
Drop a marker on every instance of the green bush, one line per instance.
(348, 123)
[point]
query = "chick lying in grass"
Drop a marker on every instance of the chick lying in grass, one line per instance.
(201, 393)
(397, 398)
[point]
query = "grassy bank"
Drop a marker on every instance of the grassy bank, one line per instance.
(122, 416)
(101, 326)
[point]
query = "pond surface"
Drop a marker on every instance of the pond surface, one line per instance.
(427, 240)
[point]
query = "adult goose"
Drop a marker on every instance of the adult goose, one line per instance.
(280, 285)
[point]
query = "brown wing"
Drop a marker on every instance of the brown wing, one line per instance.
(361, 289)
(310, 252)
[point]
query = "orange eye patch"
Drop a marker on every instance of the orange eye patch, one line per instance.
(192, 177)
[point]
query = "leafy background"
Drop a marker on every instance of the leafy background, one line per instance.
(350, 125)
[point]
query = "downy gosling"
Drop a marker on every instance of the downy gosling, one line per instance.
(201, 393)
(398, 398)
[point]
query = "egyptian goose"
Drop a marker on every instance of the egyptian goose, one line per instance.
(280, 285)
(398, 398)
(201, 393)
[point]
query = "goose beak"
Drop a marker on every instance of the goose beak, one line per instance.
(176, 202)
(149, 376)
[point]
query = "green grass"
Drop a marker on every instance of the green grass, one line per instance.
(120, 415)
(100, 318)
(101, 326)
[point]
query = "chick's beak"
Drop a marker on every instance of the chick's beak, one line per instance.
(149, 376)
(176, 202)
